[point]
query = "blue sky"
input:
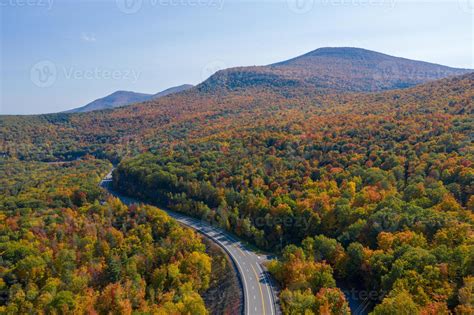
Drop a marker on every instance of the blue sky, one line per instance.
(61, 54)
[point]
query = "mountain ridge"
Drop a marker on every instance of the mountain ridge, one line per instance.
(333, 69)
(123, 98)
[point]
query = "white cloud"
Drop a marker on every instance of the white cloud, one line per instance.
(88, 37)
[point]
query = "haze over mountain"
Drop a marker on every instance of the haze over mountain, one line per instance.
(333, 69)
(123, 98)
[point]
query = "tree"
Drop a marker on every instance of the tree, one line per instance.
(399, 303)
(331, 301)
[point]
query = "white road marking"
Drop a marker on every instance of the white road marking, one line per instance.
(268, 288)
(233, 245)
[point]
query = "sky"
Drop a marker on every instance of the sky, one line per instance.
(61, 54)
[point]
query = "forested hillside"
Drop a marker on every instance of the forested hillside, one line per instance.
(326, 70)
(372, 190)
(66, 252)
(114, 134)
(380, 187)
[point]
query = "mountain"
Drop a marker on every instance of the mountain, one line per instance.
(322, 71)
(332, 70)
(123, 98)
(380, 179)
(173, 90)
(194, 115)
(116, 99)
(199, 113)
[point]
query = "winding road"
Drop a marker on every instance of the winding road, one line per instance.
(259, 294)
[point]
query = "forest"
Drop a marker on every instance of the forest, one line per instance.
(195, 115)
(370, 190)
(67, 248)
(379, 198)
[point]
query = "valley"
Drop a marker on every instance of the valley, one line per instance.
(351, 166)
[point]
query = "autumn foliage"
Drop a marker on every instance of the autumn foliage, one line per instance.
(64, 251)
(373, 190)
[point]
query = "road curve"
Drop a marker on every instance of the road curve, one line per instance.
(259, 294)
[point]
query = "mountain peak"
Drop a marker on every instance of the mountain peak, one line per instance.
(342, 51)
(120, 92)
(338, 52)
(333, 69)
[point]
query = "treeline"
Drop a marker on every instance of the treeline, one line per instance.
(64, 251)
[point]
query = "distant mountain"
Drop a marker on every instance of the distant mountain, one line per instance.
(322, 71)
(123, 98)
(333, 69)
(116, 99)
(173, 90)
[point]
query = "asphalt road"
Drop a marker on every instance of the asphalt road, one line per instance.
(259, 295)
